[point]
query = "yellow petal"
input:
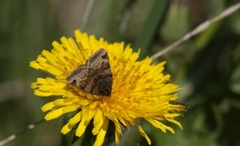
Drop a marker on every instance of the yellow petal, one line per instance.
(160, 125)
(101, 135)
(48, 106)
(144, 134)
(53, 114)
(86, 118)
(98, 122)
(66, 129)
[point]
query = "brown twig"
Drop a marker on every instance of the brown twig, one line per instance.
(198, 29)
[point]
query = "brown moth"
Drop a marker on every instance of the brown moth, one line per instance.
(95, 76)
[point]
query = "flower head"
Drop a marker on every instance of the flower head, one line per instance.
(139, 89)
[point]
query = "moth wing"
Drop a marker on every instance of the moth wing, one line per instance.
(98, 59)
(101, 74)
(95, 77)
(78, 76)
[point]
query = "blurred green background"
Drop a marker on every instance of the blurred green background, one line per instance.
(206, 67)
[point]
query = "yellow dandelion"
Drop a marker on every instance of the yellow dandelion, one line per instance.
(133, 89)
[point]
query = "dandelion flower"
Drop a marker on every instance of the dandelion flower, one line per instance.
(138, 89)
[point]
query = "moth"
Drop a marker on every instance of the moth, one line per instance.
(95, 76)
